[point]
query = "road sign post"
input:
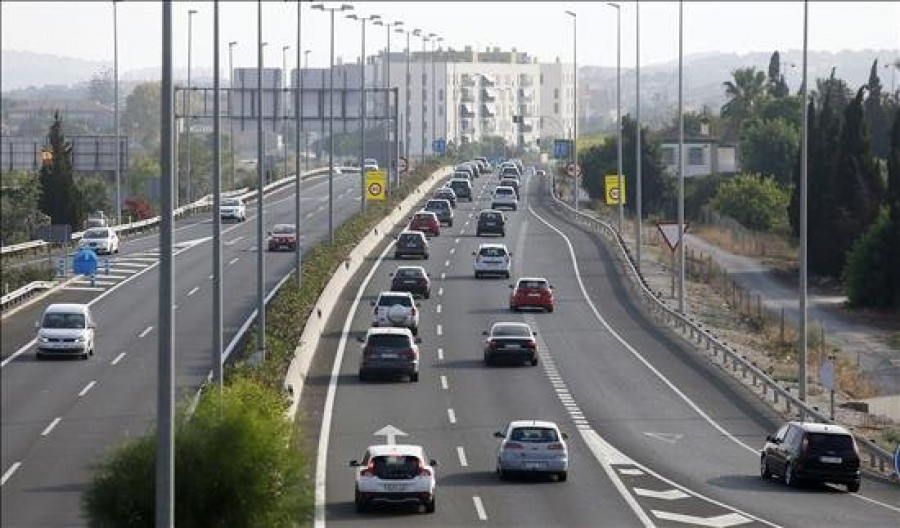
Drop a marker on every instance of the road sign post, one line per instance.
(671, 234)
(376, 184)
(439, 146)
(562, 149)
(612, 192)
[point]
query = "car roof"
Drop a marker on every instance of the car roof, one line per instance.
(419, 268)
(489, 245)
(504, 187)
(533, 279)
(426, 213)
(438, 200)
(490, 211)
(533, 423)
(67, 308)
(396, 449)
(412, 232)
(813, 427)
(389, 330)
(394, 294)
(459, 180)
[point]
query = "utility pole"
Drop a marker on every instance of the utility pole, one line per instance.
(231, 46)
(362, 108)
(217, 203)
(619, 112)
(681, 304)
(574, 106)
(637, 140)
(298, 124)
(260, 183)
(804, 225)
(116, 112)
(187, 118)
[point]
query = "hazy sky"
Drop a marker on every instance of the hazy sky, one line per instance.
(84, 29)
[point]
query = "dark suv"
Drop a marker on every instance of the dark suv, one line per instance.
(412, 279)
(411, 244)
(801, 451)
(491, 221)
(462, 188)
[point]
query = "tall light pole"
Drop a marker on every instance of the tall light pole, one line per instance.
(804, 155)
(216, 217)
(231, 46)
(425, 39)
(637, 140)
(260, 183)
(388, 157)
(298, 124)
(574, 105)
(187, 118)
(434, 39)
(284, 50)
(306, 134)
(116, 112)
(681, 306)
(321, 7)
(619, 109)
(362, 107)
(406, 117)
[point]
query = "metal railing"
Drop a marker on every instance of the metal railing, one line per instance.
(717, 350)
(25, 292)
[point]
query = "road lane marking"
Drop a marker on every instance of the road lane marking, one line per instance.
(145, 332)
(452, 250)
(718, 521)
(84, 288)
(446, 263)
(669, 494)
(479, 508)
(86, 388)
(439, 330)
(443, 276)
(50, 427)
(118, 358)
(438, 308)
(451, 415)
(234, 240)
(193, 291)
(440, 291)
(9, 472)
(444, 384)
(232, 261)
(456, 241)
(461, 453)
(440, 353)
(631, 471)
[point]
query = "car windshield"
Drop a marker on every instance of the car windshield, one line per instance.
(490, 216)
(63, 320)
(492, 252)
(435, 204)
(510, 330)
(95, 233)
(395, 341)
(501, 190)
(410, 238)
(231, 202)
(506, 182)
(409, 273)
(822, 443)
(422, 216)
(535, 284)
(537, 435)
(391, 300)
(283, 229)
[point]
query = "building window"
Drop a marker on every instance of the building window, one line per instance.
(668, 156)
(556, 108)
(542, 79)
(441, 95)
(556, 93)
(695, 156)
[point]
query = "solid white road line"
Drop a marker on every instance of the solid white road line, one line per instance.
(461, 453)
(83, 288)
(193, 291)
(451, 415)
(669, 494)
(145, 332)
(479, 508)
(9, 472)
(444, 384)
(50, 427)
(118, 358)
(86, 388)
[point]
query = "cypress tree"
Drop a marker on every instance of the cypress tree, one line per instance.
(879, 122)
(60, 199)
(893, 202)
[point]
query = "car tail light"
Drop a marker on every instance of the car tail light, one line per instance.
(408, 354)
(556, 447)
(512, 445)
(531, 343)
(492, 344)
(423, 282)
(424, 471)
(369, 471)
(368, 351)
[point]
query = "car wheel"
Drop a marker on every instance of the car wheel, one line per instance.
(38, 355)
(513, 308)
(562, 476)
(477, 233)
(853, 487)
(477, 275)
(414, 377)
(789, 478)
(487, 360)
(502, 473)
(764, 468)
(363, 376)
(506, 275)
(450, 224)
(534, 361)
(427, 295)
(84, 355)
(360, 503)
(430, 505)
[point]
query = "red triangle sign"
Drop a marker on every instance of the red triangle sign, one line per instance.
(669, 231)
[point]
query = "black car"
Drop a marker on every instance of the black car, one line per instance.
(411, 244)
(412, 279)
(802, 451)
(462, 188)
(491, 221)
(446, 193)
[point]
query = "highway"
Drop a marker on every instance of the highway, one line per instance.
(658, 436)
(59, 416)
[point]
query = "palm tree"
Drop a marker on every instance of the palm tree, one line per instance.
(744, 95)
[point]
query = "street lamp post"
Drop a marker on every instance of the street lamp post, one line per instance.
(298, 123)
(637, 140)
(231, 46)
(284, 76)
(116, 112)
(362, 107)
(681, 306)
(574, 105)
(321, 7)
(388, 157)
(187, 118)
(260, 183)
(804, 155)
(425, 39)
(216, 217)
(305, 133)
(619, 109)
(406, 117)
(434, 39)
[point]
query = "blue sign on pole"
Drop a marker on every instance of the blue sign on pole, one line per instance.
(85, 262)
(562, 149)
(439, 145)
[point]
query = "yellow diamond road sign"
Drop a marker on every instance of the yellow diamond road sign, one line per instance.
(612, 189)
(376, 181)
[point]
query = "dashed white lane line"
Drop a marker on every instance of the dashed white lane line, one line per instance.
(193, 291)
(439, 330)
(232, 261)
(456, 241)
(452, 250)
(50, 427)
(479, 508)
(451, 415)
(233, 241)
(669, 494)
(438, 308)
(86, 388)
(145, 332)
(9, 472)
(446, 263)
(210, 277)
(440, 354)
(443, 276)
(118, 358)
(440, 291)
(444, 384)
(461, 453)
(462, 231)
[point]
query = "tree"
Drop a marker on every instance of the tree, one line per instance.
(94, 192)
(60, 198)
(869, 280)
(879, 123)
(833, 90)
(744, 95)
(102, 87)
(789, 108)
(755, 201)
(893, 203)
(142, 114)
(776, 85)
(19, 212)
(657, 188)
(769, 147)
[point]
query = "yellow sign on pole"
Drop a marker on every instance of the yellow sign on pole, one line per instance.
(612, 189)
(376, 180)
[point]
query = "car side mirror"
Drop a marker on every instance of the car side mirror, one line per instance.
(499, 434)
(269, 233)
(551, 286)
(354, 463)
(418, 340)
(770, 438)
(418, 305)
(533, 333)
(565, 436)
(433, 463)
(510, 253)
(473, 253)
(391, 274)
(484, 333)
(510, 286)
(361, 339)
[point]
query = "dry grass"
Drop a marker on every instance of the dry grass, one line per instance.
(773, 248)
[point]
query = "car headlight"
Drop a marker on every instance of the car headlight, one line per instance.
(43, 339)
(79, 339)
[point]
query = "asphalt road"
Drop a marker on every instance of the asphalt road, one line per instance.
(60, 416)
(657, 435)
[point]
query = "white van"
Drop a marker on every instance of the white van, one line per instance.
(66, 330)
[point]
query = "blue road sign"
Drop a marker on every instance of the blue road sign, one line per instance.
(85, 262)
(562, 149)
(439, 145)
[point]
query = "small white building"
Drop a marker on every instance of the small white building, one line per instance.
(704, 156)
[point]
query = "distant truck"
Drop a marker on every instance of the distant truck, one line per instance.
(96, 219)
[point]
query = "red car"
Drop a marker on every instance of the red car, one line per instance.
(283, 236)
(426, 222)
(532, 292)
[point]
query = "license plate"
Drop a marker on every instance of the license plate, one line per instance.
(389, 355)
(410, 245)
(831, 460)
(490, 224)
(534, 294)
(394, 487)
(512, 345)
(534, 465)
(409, 282)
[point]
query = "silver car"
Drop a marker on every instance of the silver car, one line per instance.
(532, 447)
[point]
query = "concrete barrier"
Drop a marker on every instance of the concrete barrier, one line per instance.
(325, 304)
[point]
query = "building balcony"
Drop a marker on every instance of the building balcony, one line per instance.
(488, 110)
(466, 110)
(488, 94)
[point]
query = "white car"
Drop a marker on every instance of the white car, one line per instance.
(394, 474)
(532, 446)
(370, 164)
(66, 330)
(504, 196)
(492, 259)
(233, 209)
(396, 309)
(100, 239)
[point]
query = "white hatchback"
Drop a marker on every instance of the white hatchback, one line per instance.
(100, 239)
(66, 329)
(233, 208)
(394, 474)
(492, 259)
(504, 197)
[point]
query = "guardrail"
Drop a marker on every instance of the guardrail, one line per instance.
(24, 292)
(729, 358)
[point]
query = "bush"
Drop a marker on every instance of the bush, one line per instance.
(756, 202)
(14, 278)
(868, 270)
(237, 464)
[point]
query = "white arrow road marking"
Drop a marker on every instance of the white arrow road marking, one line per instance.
(9, 472)
(669, 494)
(670, 438)
(479, 508)
(719, 521)
(390, 433)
